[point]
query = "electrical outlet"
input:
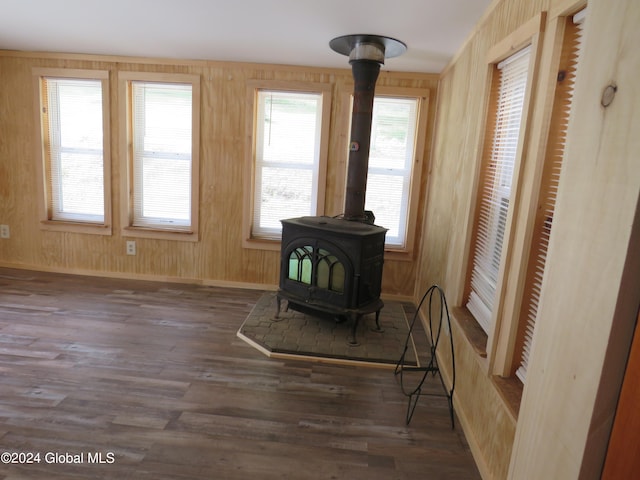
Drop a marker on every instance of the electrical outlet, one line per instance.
(4, 231)
(131, 247)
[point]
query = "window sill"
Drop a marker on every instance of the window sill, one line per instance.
(162, 234)
(510, 390)
(472, 330)
(75, 227)
(399, 255)
(261, 244)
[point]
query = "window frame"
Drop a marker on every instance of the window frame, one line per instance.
(490, 344)
(494, 213)
(253, 88)
(47, 222)
(125, 115)
(547, 190)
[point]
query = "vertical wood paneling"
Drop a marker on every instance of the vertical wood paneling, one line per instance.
(219, 256)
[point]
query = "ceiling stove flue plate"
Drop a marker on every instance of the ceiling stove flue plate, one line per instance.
(390, 46)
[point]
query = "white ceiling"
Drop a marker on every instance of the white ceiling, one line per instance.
(292, 32)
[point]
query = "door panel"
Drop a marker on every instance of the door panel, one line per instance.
(623, 454)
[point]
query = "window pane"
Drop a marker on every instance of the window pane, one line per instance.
(166, 189)
(385, 199)
(80, 186)
(162, 154)
(166, 117)
(393, 132)
(283, 193)
(74, 114)
(289, 127)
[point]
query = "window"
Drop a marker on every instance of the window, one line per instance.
(508, 99)
(74, 170)
(162, 119)
(288, 156)
(287, 146)
(162, 154)
(398, 126)
(569, 60)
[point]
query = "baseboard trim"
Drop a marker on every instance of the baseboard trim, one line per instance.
(169, 279)
(140, 276)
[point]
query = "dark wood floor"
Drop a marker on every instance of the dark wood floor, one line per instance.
(152, 377)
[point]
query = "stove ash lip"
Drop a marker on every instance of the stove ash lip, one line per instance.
(366, 216)
(335, 225)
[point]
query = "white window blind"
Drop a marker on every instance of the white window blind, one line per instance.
(162, 154)
(549, 185)
(496, 186)
(76, 161)
(391, 158)
(288, 129)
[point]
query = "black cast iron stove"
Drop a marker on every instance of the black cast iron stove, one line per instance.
(333, 265)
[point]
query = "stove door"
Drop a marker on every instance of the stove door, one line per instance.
(317, 271)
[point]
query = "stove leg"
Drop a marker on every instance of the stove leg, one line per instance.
(340, 318)
(378, 328)
(278, 305)
(353, 342)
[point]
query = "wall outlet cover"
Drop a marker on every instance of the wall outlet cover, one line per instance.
(131, 247)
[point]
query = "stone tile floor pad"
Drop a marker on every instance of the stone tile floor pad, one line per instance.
(322, 337)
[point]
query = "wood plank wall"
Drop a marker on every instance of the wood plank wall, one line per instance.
(218, 258)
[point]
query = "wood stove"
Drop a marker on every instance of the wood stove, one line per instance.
(333, 265)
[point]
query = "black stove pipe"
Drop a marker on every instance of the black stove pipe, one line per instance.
(365, 74)
(366, 55)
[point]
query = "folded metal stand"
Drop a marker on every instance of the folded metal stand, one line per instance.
(432, 365)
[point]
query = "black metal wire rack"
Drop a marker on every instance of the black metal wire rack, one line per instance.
(431, 366)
